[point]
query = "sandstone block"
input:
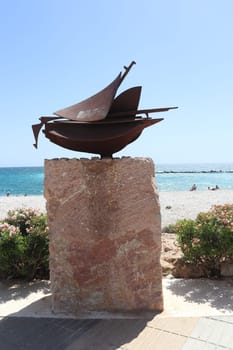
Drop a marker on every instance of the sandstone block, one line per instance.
(105, 235)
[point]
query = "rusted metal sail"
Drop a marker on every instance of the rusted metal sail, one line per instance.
(94, 108)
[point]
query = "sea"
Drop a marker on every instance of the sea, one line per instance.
(19, 181)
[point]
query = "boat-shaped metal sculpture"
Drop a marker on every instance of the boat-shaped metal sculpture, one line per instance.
(101, 124)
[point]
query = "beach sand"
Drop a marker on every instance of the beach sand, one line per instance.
(187, 204)
(174, 205)
(16, 202)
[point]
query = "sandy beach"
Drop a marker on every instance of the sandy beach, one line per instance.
(15, 202)
(187, 204)
(174, 205)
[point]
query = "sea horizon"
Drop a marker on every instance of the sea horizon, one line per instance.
(166, 165)
(29, 180)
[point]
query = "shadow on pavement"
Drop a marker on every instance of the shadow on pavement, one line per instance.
(67, 334)
(217, 293)
(16, 289)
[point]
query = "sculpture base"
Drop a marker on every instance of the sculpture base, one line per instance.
(105, 235)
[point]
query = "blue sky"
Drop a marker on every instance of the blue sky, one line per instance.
(55, 53)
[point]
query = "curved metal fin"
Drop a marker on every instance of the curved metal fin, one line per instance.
(37, 127)
(36, 130)
(126, 101)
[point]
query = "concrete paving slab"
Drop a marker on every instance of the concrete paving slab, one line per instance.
(181, 326)
(214, 331)
(153, 339)
(26, 333)
(68, 334)
(110, 334)
(211, 333)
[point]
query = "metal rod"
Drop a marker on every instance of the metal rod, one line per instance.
(141, 111)
(127, 69)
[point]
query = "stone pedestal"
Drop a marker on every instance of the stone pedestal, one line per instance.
(105, 235)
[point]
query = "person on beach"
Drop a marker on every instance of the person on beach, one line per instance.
(193, 188)
(214, 188)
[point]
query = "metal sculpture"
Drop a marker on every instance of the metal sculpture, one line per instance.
(100, 124)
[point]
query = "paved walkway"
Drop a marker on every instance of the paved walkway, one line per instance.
(24, 333)
(198, 315)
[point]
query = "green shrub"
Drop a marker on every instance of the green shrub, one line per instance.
(171, 228)
(208, 239)
(24, 245)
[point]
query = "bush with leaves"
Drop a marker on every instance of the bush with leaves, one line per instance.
(209, 239)
(171, 228)
(24, 249)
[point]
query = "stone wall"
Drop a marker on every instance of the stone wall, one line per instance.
(105, 235)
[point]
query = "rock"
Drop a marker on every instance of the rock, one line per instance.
(187, 270)
(170, 252)
(226, 269)
(105, 235)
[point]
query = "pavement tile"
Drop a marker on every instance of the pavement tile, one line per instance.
(153, 339)
(40, 333)
(146, 340)
(177, 325)
(228, 319)
(109, 334)
(211, 333)
(194, 344)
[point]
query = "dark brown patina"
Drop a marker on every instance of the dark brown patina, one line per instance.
(100, 124)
